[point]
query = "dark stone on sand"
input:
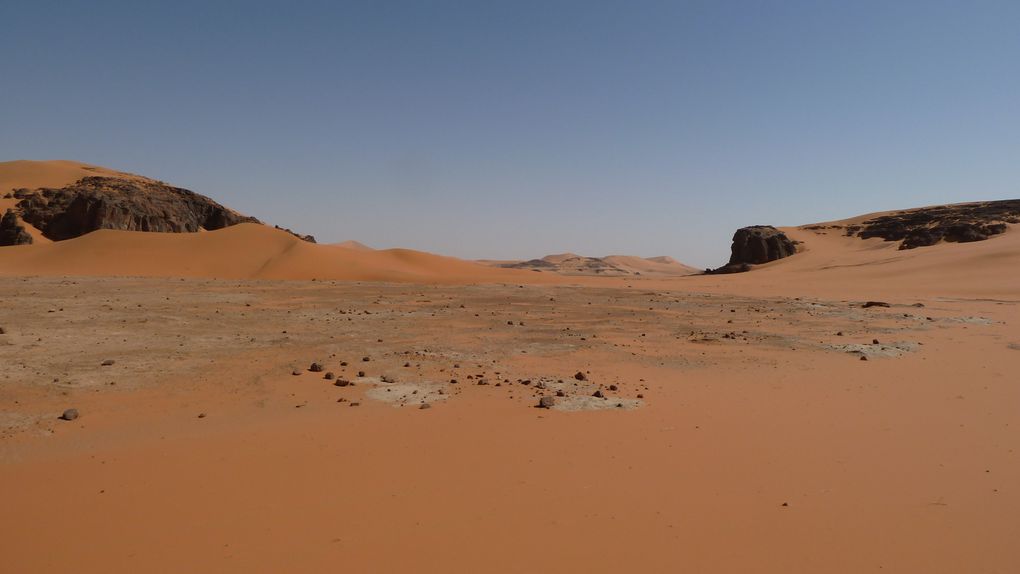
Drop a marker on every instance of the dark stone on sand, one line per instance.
(425, 406)
(342, 383)
(12, 232)
(546, 402)
(755, 245)
(598, 394)
(107, 363)
(581, 376)
(69, 415)
(875, 304)
(329, 376)
(315, 367)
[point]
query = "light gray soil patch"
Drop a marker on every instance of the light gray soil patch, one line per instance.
(896, 349)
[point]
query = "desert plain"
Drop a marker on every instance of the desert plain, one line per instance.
(249, 402)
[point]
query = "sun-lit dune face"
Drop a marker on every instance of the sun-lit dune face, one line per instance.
(28, 174)
(243, 251)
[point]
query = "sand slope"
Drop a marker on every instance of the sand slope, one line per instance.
(245, 251)
(830, 264)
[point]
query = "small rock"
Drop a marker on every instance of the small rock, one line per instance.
(329, 376)
(387, 379)
(875, 342)
(354, 405)
(315, 367)
(864, 357)
(560, 393)
(342, 383)
(107, 363)
(69, 414)
(875, 304)
(614, 388)
(546, 402)
(201, 415)
(366, 359)
(361, 373)
(598, 394)
(581, 376)
(425, 406)
(295, 372)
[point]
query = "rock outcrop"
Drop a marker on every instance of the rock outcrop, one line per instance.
(755, 245)
(929, 225)
(94, 203)
(12, 232)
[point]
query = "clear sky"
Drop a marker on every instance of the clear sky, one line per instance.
(516, 129)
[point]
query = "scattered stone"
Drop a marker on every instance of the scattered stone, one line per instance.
(864, 357)
(201, 415)
(614, 388)
(560, 393)
(329, 376)
(387, 379)
(425, 406)
(361, 373)
(875, 304)
(107, 363)
(581, 376)
(315, 367)
(546, 402)
(598, 394)
(295, 372)
(69, 414)
(366, 359)
(875, 342)
(354, 405)
(342, 383)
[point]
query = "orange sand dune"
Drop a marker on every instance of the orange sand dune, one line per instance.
(650, 266)
(245, 251)
(829, 263)
(54, 173)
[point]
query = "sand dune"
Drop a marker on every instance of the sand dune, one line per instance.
(245, 251)
(828, 263)
(352, 244)
(53, 173)
(651, 265)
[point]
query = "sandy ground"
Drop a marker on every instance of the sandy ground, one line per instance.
(761, 422)
(761, 442)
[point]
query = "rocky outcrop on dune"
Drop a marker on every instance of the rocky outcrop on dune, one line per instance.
(12, 232)
(755, 245)
(609, 266)
(926, 226)
(94, 203)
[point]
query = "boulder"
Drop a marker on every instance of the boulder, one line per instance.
(755, 245)
(12, 232)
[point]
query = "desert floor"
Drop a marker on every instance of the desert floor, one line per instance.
(744, 434)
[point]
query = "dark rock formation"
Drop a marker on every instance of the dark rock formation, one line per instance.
(12, 232)
(129, 204)
(755, 245)
(929, 225)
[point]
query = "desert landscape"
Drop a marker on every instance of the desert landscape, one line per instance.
(185, 388)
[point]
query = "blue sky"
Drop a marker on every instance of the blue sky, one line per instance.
(516, 129)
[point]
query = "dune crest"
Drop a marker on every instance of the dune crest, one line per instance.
(243, 251)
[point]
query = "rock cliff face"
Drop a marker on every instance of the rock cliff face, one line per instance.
(128, 204)
(12, 232)
(930, 225)
(755, 245)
